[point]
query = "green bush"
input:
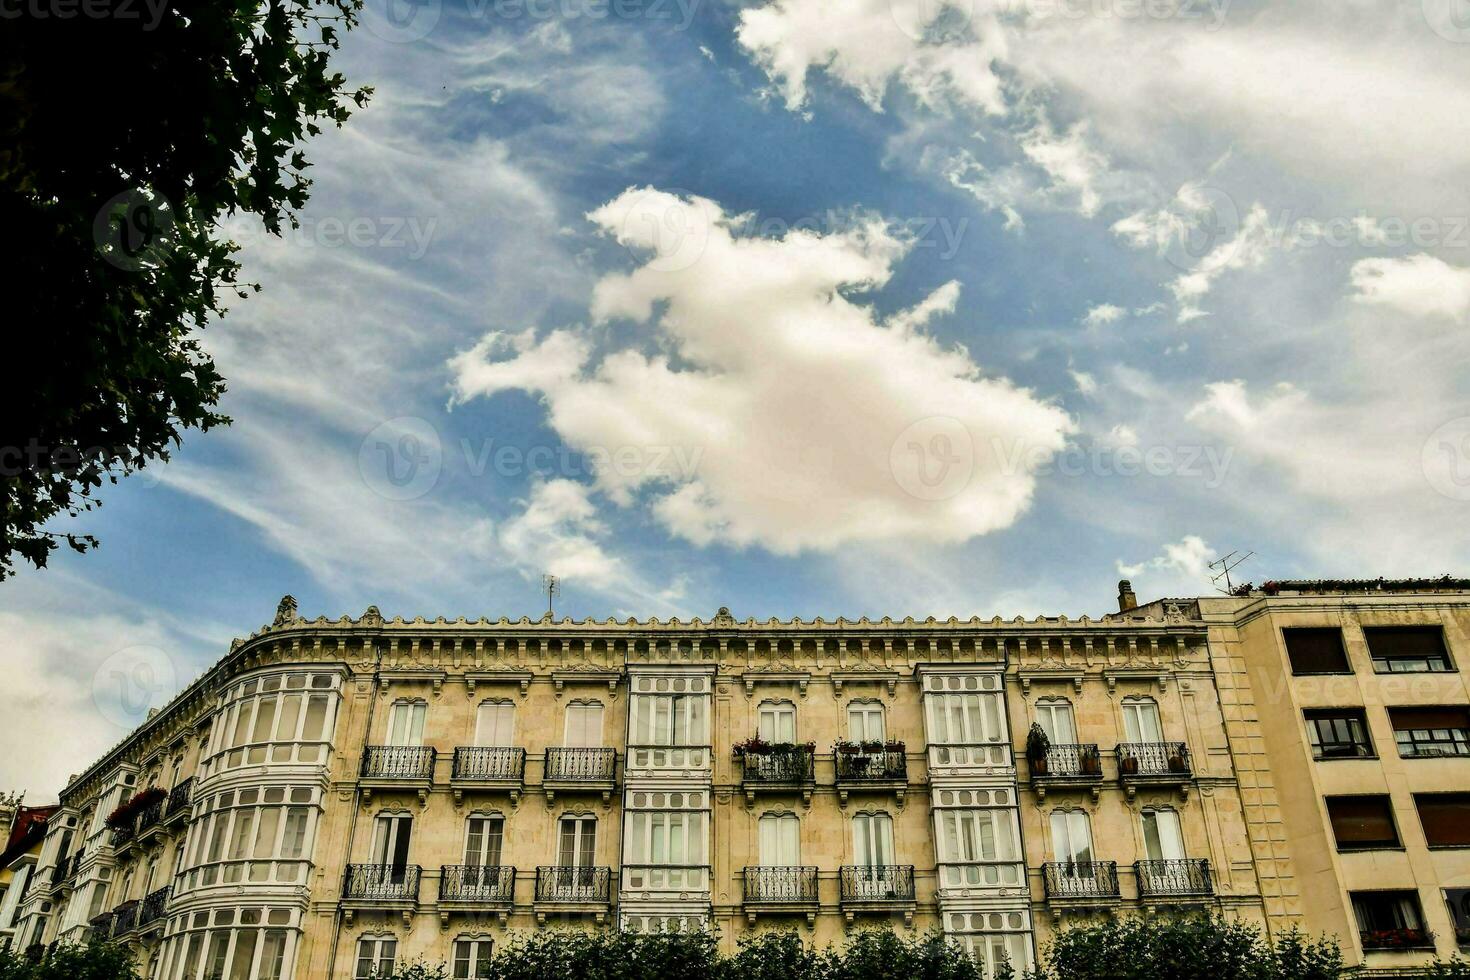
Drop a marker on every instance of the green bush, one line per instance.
(98, 961)
(1136, 948)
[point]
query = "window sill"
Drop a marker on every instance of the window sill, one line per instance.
(1323, 673)
(1399, 673)
(1344, 758)
(1449, 847)
(1369, 847)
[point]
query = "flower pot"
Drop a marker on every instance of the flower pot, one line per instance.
(1128, 766)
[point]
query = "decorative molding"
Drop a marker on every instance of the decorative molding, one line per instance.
(473, 678)
(800, 678)
(887, 677)
(587, 675)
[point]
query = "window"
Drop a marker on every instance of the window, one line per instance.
(1362, 822)
(1338, 733)
(391, 836)
(965, 719)
(1316, 650)
(1457, 901)
(1071, 836)
(872, 840)
(1141, 720)
(584, 725)
(484, 840)
(967, 836)
(668, 719)
(777, 722)
(1055, 718)
(1445, 818)
(578, 842)
(471, 959)
(1162, 839)
(865, 722)
(1428, 733)
(406, 723)
(272, 719)
(780, 840)
(1407, 649)
(375, 957)
(250, 834)
(666, 837)
(1389, 920)
(495, 723)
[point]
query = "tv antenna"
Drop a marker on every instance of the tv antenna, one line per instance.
(1226, 565)
(551, 585)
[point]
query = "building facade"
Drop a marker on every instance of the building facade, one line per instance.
(336, 796)
(23, 829)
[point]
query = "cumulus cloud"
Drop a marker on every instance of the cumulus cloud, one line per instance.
(1103, 313)
(1189, 557)
(557, 533)
(814, 423)
(1419, 285)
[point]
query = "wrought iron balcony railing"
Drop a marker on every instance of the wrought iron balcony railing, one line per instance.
(151, 815)
(152, 907)
(487, 883)
(781, 885)
(574, 885)
(1153, 759)
(179, 798)
(123, 835)
(489, 763)
(124, 918)
(1080, 879)
(101, 926)
(790, 766)
(414, 762)
(381, 882)
(1189, 876)
(1079, 761)
(858, 765)
(571, 764)
(877, 882)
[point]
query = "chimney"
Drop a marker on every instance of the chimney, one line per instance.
(1126, 599)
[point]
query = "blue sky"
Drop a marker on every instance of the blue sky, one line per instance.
(880, 307)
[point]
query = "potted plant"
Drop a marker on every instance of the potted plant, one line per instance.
(1091, 762)
(894, 745)
(1179, 759)
(873, 745)
(754, 745)
(849, 748)
(1037, 744)
(1127, 763)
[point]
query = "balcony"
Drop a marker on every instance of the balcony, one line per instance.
(180, 802)
(1174, 880)
(122, 836)
(680, 878)
(1154, 764)
(150, 912)
(124, 919)
(1080, 883)
(388, 887)
(573, 890)
(1067, 766)
(101, 926)
(488, 769)
(780, 768)
(882, 888)
(1392, 939)
(873, 767)
(150, 823)
(481, 886)
(781, 890)
(397, 767)
(579, 770)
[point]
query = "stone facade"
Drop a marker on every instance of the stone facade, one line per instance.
(334, 795)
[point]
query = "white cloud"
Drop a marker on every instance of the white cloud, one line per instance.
(1189, 558)
(1070, 162)
(1104, 313)
(1086, 383)
(1419, 285)
(557, 534)
(800, 407)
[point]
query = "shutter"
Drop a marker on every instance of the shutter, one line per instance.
(1316, 650)
(1446, 818)
(1412, 719)
(1362, 821)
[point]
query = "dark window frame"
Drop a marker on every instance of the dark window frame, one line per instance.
(1428, 742)
(1401, 922)
(1463, 799)
(1353, 714)
(1397, 843)
(1379, 662)
(1301, 631)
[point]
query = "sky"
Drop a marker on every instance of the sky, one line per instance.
(879, 307)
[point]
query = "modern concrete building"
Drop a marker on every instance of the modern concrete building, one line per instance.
(337, 795)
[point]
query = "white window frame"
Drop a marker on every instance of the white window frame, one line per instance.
(1069, 828)
(1139, 714)
(779, 840)
(583, 725)
(388, 829)
(382, 963)
(406, 722)
(666, 838)
(668, 719)
(583, 839)
(1168, 834)
(495, 723)
(1047, 714)
(965, 717)
(964, 834)
(776, 722)
(491, 840)
(863, 717)
(872, 840)
(467, 956)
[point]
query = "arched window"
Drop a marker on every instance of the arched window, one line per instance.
(406, 722)
(777, 722)
(1054, 715)
(495, 723)
(780, 840)
(865, 722)
(1141, 720)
